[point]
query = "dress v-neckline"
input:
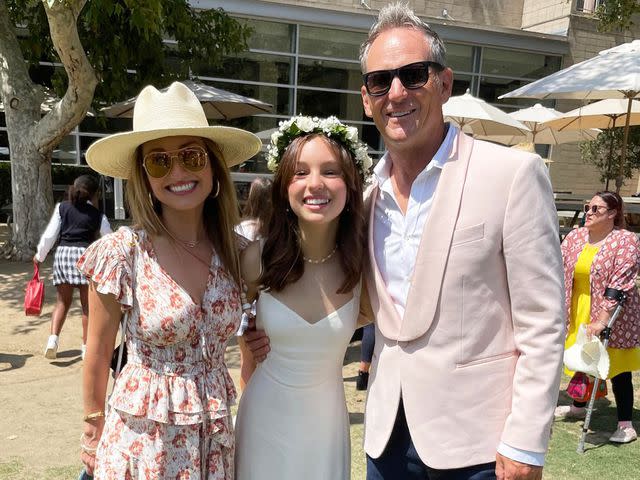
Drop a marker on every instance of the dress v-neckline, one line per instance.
(151, 253)
(301, 318)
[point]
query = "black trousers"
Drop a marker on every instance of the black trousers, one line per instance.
(401, 461)
(622, 386)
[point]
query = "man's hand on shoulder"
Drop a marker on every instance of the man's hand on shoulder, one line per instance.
(507, 469)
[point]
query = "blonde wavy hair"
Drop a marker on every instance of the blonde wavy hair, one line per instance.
(220, 214)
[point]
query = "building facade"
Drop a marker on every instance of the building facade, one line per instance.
(303, 59)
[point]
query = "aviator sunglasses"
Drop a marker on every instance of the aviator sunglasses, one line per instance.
(159, 164)
(412, 76)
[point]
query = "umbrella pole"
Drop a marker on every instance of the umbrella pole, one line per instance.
(623, 156)
(610, 154)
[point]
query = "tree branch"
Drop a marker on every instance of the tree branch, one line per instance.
(69, 112)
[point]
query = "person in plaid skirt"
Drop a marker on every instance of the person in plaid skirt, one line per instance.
(75, 223)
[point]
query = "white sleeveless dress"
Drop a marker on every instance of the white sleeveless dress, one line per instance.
(292, 421)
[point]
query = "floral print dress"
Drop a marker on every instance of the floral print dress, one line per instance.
(169, 414)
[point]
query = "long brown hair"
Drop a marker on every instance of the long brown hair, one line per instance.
(258, 206)
(614, 202)
(281, 256)
(220, 214)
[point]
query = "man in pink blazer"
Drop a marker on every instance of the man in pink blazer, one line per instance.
(465, 280)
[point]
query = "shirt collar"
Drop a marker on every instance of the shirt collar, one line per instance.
(383, 168)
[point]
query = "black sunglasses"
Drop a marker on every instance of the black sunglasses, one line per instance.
(595, 208)
(412, 76)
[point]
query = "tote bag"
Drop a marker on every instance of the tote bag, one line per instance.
(34, 295)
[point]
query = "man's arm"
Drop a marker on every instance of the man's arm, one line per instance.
(535, 281)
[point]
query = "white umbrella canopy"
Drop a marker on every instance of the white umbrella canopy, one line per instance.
(475, 116)
(604, 114)
(613, 73)
(218, 104)
(534, 118)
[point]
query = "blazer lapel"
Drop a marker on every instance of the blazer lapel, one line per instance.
(433, 253)
(386, 316)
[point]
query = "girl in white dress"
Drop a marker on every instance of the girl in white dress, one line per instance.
(292, 420)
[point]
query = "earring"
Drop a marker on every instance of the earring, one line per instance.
(150, 199)
(217, 189)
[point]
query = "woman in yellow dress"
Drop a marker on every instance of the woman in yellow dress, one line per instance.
(603, 255)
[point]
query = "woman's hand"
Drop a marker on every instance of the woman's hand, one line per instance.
(595, 328)
(89, 444)
(35, 259)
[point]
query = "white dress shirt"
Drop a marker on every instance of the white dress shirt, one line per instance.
(397, 237)
(50, 235)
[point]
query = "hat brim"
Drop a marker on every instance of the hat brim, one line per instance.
(114, 155)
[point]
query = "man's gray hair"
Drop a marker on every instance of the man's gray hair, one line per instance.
(398, 15)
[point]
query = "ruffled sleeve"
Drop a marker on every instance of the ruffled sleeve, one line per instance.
(108, 262)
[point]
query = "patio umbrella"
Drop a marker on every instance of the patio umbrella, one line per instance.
(218, 104)
(540, 132)
(613, 73)
(604, 114)
(475, 116)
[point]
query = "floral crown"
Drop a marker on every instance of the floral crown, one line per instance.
(300, 126)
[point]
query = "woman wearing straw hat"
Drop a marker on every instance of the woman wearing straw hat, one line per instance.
(601, 255)
(173, 280)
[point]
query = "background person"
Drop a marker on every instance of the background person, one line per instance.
(75, 223)
(366, 354)
(469, 320)
(174, 281)
(602, 255)
(292, 419)
(256, 212)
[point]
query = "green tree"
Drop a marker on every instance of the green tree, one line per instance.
(616, 14)
(128, 44)
(605, 152)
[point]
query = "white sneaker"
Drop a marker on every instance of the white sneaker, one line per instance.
(51, 351)
(84, 350)
(569, 411)
(624, 435)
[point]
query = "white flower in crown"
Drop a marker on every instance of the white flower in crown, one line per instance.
(331, 127)
(306, 124)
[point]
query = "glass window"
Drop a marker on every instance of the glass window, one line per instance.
(4, 145)
(253, 67)
(345, 106)
(518, 64)
(273, 36)
(461, 83)
(460, 57)
(329, 74)
(491, 88)
(325, 42)
(65, 152)
(279, 97)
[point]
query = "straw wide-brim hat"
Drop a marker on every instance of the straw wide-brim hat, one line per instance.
(587, 355)
(172, 113)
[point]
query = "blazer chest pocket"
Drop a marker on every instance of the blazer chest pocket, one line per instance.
(468, 234)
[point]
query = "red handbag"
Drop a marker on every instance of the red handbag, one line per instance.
(581, 386)
(34, 295)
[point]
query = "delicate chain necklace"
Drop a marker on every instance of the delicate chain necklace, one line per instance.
(186, 243)
(323, 259)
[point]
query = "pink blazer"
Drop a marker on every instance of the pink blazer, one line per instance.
(615, 266)
(477, 355)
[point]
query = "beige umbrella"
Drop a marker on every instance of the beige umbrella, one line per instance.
(613, 73)
(218, 104)
(604, 114)
(541, 133)
(610, 113)
(475, 116)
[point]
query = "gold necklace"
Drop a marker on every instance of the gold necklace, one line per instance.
(186, 243)
(323, 259)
